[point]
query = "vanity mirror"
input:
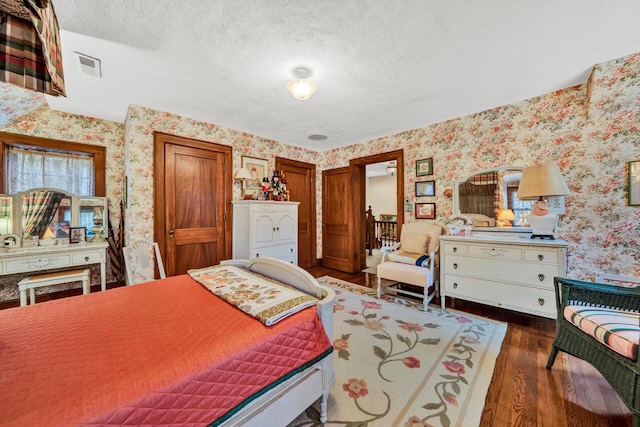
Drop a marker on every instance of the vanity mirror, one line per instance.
(43, 212)
(43, 216)
(482, 195)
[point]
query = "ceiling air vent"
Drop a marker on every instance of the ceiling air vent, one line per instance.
(88, 64)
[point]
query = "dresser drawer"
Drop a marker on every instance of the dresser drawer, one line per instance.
(490, 251)
(520, 298)
(455, 248)
(93, 257)
(280, 251)
(44, 262)
(541, 255)
(500, 270)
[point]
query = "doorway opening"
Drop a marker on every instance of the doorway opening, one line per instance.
(379, 202)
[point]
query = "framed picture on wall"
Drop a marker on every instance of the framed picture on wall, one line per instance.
(424, 167)
(259, 168)
(425, 211)
(634, 183)
(425, 188)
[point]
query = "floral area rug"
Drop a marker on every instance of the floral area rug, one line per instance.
(396, 365)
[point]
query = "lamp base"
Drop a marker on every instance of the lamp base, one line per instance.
(542, 225)
(543, 236)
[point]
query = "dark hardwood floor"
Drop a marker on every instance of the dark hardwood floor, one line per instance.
(523, 393)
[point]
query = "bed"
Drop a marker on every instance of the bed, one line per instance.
(168, 352)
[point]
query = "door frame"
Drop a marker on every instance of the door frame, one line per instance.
(159, 217)
(359, 189)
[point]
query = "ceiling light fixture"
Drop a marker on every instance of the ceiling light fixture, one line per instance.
(302, 88)
(392, 169)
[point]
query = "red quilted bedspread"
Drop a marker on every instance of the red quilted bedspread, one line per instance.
(162, 353)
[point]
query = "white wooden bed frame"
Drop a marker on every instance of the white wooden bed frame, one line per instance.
(285, 402)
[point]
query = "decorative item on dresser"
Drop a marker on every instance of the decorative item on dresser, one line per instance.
(265, 228)
(507, 271)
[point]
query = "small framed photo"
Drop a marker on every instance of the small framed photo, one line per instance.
(77, 234)
(424, 167)
(425, 188)
(425, 211)
(634, 183)
(259, 168)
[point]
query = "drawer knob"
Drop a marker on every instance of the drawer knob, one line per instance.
(541, 277)
(541, 301)
(540, 257)
(291, 250)
(86, 258)
(455, 286)
(455, 249)
(455, 265)
(257, 255)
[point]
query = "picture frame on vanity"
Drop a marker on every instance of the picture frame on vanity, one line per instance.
(424, 167)
(259, 168)
(425, 210)
(425, 188)
(634, 183)
(77, 235)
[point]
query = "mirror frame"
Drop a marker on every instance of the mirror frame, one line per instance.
(17, 228)
(456, 198)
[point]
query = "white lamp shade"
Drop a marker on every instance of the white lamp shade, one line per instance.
(542, 181)
(302, 88)
(243, 173)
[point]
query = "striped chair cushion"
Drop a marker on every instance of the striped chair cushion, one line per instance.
(421, 260)
(617, 329)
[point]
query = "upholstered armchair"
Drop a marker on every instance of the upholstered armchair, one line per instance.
(600, 324)
(413, 261)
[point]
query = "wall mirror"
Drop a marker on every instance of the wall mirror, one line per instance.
(484, 194)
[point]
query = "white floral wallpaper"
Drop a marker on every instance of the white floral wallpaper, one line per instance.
(591, 131)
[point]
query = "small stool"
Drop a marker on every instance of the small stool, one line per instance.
(49, 279)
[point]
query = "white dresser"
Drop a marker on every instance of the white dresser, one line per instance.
(42, 258)
(508, 272)
(265, 228)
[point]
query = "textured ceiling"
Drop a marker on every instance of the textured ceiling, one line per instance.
(381, 66)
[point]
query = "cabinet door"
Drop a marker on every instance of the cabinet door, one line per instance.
(287, 228)
(264, 230)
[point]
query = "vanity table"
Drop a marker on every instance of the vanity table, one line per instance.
(503, 270)
(41, 258)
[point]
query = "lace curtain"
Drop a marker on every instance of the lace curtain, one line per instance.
(36, 169)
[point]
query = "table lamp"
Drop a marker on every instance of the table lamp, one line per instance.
(537, 182)
(242, 174)
(505, 217)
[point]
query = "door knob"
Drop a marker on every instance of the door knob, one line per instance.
(171, 234)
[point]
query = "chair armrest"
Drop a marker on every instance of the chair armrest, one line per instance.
(575, 292)
(386, 249)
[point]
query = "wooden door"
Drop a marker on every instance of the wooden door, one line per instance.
(192, 195)
(301, 183)
(337, 221)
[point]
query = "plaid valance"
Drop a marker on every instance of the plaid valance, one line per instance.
(30, 52)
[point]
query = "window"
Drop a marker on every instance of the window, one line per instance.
(28, 168)
(85, 163)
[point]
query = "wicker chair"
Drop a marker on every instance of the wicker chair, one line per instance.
(623, 373)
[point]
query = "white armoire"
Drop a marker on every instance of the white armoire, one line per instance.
(265, 228)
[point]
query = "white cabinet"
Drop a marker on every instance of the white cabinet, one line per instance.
(265, 228)
(508, 272)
